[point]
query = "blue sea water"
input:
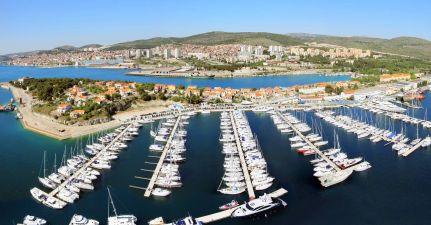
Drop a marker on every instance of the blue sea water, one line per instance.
(8, 73)
(394, 191)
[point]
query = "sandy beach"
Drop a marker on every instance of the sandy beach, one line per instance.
(48, 126)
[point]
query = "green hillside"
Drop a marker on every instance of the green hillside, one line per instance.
(215, 38)
(409, 46)
(90, 46)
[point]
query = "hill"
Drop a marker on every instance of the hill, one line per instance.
(65, 48)
(215, 38)
(409, 46)
(91, 46)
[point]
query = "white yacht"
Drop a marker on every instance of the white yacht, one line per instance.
(160, 192)
(232, 190)
(335, 177)
(256, 206)
(186, 221)
(363, 166)
(81, 220)
(32, 220)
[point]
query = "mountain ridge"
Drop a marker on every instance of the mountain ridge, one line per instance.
(403, 45)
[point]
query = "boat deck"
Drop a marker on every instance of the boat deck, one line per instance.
(153, 179)
(248, 183)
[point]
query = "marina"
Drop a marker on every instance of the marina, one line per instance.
(284, 164)
(375, 134)
(249, 185)
(150, 187)
(215, 113)
(50, 199)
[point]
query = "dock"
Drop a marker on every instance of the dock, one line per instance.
(315, 149)
(247, 178)
(227, 213)
(412, 149)
(153, 179)
(88, 164)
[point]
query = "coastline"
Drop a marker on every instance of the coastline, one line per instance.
(322, 72)
(49, 127)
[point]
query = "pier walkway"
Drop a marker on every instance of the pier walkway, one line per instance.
(227, 213)
(315, 149)
(412, 149)
(88, 164)
(248, 183)
(153, 179)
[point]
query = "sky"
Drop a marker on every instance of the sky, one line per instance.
(27, 25)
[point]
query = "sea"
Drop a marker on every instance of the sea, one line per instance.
(395, 191)
(8, 73)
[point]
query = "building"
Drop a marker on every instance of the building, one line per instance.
(77, 113)
(177, 53)
(148, 53)
(64, 108)
(23, 79)
(167, 53)
(138, 53)
(311, 90)
(394, 77)
(258, 51)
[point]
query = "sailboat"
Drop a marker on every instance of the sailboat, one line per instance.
(119, 219)
(44, 180)
(417, 140)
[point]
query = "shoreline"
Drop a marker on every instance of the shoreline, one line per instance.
(44, 125)
(269, 74)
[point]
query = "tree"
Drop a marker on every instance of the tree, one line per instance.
(329, 89)
(338, 90)
(181, 87)
(162, 96)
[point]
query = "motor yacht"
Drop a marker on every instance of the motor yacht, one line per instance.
(32, 220)
(257, 206)
(81, 220)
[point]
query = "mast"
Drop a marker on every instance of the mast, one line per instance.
(112, 202)
(44, 168)
(55, 163)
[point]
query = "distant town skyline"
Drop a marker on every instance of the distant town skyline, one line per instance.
(28, 25)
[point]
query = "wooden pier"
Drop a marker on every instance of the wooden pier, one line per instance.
(248, 182)
(227, 213)
(315, 149)
(153, 179)
(88, 164)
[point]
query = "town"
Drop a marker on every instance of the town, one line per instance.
(201, 60)
(84, 101)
